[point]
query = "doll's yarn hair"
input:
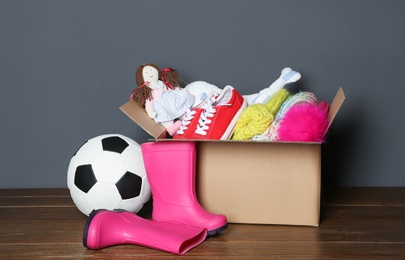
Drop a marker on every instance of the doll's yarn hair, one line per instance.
(141, 94)
(171, 78)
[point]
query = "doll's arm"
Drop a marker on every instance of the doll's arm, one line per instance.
(149, 108)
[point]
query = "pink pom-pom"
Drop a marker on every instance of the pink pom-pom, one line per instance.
(305, 123)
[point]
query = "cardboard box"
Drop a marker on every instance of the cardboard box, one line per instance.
(254, 182)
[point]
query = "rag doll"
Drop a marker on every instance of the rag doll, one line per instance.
(159, 92)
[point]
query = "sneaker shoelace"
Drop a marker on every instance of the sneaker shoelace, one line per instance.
(189, 115)
(204, 121)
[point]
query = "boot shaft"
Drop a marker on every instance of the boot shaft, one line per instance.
(170, 168)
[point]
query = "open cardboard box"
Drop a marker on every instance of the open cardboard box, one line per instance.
(254, 182)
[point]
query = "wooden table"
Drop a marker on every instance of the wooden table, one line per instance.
(359, 223)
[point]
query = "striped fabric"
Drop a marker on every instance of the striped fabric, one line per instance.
(172, 105)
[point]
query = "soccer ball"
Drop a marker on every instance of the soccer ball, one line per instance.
(107, 172)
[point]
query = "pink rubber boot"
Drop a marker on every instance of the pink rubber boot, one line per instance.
(170, 167)
(108, 228)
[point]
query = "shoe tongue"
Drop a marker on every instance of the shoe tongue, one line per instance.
(224, 97)
(210, 100)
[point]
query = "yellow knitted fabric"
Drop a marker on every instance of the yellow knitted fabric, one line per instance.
(275, 102)
(251, 122)
(255, 119)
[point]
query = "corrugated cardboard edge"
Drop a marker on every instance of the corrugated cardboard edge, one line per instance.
(137, 113)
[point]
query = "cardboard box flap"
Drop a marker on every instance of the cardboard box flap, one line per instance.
(137, 113)
(335, 105)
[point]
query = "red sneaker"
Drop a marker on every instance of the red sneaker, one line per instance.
(190, 119)
(218, 119)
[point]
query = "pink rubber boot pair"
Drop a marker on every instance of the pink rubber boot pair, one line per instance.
(178, 224)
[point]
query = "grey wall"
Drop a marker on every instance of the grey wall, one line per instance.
(66, 67)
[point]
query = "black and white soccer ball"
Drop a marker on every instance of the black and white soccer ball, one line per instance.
(107, 172)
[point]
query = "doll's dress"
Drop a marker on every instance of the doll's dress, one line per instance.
(172, 104)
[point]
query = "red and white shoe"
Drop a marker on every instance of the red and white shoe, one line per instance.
(190, 119)
(217, 120)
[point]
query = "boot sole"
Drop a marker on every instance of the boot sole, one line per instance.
(87, 225)
(216, 231)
